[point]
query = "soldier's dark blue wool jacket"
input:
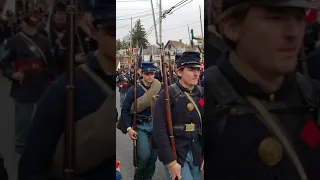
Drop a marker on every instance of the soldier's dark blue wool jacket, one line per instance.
(20, 56)
(126, 107)
(185, 141)
(232, 142)
(49, 122)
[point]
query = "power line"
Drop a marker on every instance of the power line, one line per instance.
(123, 26)
(178, 27)
(141, 16)
(152, 28)
(133, 14)
(181, 6)
(180, 30)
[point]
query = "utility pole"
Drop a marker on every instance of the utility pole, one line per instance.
(201, 25)
(131, 36)
(189, 34)
(160, 26)
(202, 48)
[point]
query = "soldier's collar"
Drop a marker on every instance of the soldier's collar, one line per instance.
(183, 89)
(244, 88)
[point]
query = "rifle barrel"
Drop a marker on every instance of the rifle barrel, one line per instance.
(168, 108)
(134, 123)
(69, 160)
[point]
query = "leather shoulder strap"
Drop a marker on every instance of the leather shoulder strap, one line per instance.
(220, 87)
(307, 91)
(145, 90)
(29, 42)
(105, 88)
(270, 122)
(201, 90)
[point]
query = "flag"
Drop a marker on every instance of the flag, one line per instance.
(140, 55)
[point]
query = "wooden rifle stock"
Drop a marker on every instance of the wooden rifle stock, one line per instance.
(134, 119)
(168, 108)
(69, 144)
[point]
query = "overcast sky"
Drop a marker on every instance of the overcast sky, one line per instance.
(174, 26)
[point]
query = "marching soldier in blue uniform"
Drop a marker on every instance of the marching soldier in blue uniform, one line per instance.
(29, 64)
(146, 88)
(92, 80)
(124, 84)
(262, 120)
(186, 102)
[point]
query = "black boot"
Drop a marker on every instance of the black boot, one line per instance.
(3, 171)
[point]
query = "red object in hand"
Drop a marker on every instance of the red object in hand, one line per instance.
(311, 134)
(117, 164)
(201, 102)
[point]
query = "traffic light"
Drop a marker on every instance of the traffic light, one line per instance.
(127, 51)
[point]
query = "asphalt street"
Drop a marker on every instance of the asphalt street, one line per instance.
(125, 155)
(7, 130)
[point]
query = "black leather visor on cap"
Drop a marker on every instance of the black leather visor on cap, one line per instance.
(148, 70)
(273, 3)
(195, 64)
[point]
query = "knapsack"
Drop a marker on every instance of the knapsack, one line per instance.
(94, 136)
(225, 94)
(178, 93)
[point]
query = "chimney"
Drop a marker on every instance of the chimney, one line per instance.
(180, 40)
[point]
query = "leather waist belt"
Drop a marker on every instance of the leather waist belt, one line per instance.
(29, 65)
(123, 83)
(186, 127)
(141, 120)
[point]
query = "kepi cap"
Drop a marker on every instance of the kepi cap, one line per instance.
(177, 57)
(189, 59)
(148, 67)
(30, 19)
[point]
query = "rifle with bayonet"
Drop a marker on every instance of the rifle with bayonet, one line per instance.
(69, 157)
(167, 107)
(134, 118)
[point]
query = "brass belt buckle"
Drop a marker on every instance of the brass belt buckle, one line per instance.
(190, 127)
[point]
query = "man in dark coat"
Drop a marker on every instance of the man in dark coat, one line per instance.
(186, 103)
(29, 64)
(258, 124)
(89, 97)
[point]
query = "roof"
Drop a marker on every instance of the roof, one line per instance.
(148, 51)
(175, 44)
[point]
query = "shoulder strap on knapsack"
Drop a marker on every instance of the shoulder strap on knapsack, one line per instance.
(177, 92)
(221, 88)
(307, 91)
(201, 90)
(105, 88)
